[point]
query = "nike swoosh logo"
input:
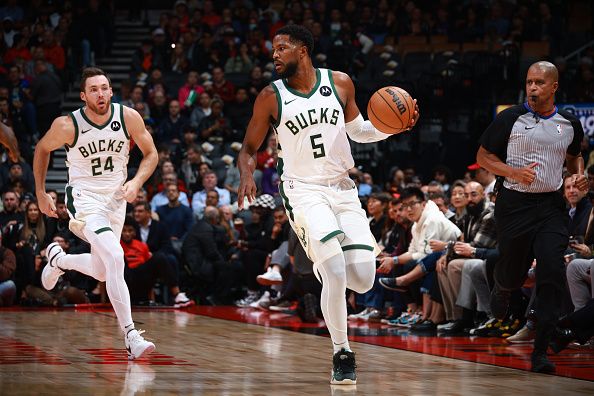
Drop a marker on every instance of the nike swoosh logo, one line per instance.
(85, 131)
(287, 102)
(530, 127)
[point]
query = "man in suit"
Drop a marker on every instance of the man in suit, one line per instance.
(203, 253)
(150, 231)
(155, 234)
(579, 207)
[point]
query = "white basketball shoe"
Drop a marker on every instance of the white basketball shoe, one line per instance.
(136, 345)
(51, 272)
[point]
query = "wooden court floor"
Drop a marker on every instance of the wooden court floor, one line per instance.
(80, 352)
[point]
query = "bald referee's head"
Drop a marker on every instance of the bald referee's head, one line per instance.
(542, 81)
(548, 68)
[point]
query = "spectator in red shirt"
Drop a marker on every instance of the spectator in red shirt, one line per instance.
(190, 85)
(221, 87)
(181, 11)
(19, 50)
(263, 156)
(144, 268)
(53, 51)
(209, 15)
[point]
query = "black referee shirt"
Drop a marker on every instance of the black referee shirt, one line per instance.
(519, 136)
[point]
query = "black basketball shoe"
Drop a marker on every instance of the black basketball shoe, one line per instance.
(343, 372)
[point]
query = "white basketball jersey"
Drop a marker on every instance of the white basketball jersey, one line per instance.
(313, 144)
(98, 158)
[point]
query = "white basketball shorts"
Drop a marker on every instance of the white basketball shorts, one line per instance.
(318, 213)
(97, 212)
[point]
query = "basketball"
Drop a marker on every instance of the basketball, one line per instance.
(390, 109)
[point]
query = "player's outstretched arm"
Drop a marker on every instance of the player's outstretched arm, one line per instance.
(358, 129)
(265, 107)
(9, 141)
(144, 140)
(60, 133)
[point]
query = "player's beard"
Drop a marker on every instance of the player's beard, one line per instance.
(290, 70)
(95, 108)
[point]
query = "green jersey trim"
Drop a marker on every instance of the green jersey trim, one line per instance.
(123, 123)
(279, 104)
(100, 230)
(280, 164)
(357, 246)
(286, 201)
(307, 95)
(334, 88)
(70, 204)
(75, 132)
(331, 235)
(82, 113)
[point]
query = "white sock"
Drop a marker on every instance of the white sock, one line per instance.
(333, 302)
(111, 254)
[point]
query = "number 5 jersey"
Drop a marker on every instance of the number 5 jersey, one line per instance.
(313, 145)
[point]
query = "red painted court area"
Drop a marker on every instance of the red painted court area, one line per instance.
(13, 351)
(572, 363)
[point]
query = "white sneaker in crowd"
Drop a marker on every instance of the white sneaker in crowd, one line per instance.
(374, 315)
(182, 301)
(264, 299)
(271, 277)
(523, 335)
(247, 300)
(360, 315)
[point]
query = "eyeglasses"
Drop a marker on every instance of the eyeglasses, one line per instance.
(410, 205)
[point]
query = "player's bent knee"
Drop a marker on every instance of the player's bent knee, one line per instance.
(333, 267)
(360, 270)
(360, 282)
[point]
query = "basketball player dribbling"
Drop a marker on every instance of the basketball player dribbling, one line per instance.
(312, 111)
(97, 139)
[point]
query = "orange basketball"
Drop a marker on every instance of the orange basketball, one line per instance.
(390, 109)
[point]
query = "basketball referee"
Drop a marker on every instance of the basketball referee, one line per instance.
(527, 145)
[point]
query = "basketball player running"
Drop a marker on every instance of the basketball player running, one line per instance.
(312, 111)
(97, 139)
